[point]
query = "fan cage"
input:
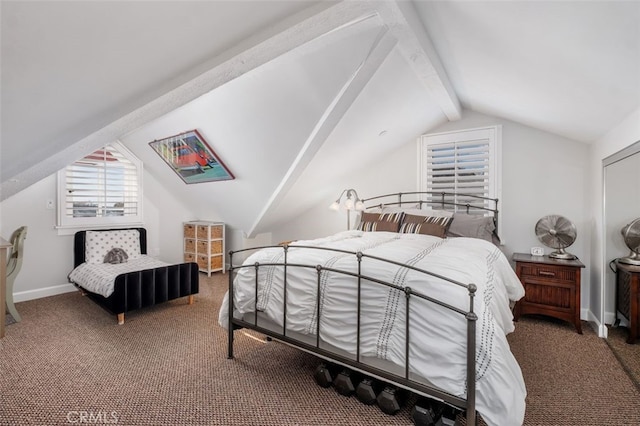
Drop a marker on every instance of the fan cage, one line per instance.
(548, 231)
(631, 237)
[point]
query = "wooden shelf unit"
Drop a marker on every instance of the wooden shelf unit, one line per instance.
(552, 287)
(204, 244)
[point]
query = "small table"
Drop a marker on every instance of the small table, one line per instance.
(4, 245)
(628, 297)
(552, 287)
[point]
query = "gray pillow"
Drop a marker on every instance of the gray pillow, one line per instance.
(473, 226)
(116, 255)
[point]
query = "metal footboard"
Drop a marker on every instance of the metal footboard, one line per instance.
(403, 381)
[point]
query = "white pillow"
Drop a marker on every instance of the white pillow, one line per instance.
(98, 243)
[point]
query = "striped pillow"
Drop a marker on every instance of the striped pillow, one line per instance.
(389, 222)
(426, 225)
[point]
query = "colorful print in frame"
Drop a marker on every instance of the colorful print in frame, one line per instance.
(189, 155)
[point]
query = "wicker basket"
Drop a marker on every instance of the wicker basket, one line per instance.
(216, 247)
(190, 245)
(202, 247)
(203, 232)
(189, 230)
(203, 262)
(216, 262)
(216, 231)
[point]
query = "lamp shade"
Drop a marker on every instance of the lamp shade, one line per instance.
(349, 204)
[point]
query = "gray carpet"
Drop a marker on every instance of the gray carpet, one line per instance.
(167, 366)
(628, 355)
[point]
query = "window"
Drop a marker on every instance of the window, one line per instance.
(463, 162)
(102, 189)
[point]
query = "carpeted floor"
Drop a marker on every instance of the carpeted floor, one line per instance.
(167, 366)
(628, 355)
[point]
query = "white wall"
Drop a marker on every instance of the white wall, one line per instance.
(48, 257)
(387, 175)
(542, 174)
(621, 136)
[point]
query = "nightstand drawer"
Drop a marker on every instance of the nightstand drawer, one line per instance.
(555, 273)
(553, 296)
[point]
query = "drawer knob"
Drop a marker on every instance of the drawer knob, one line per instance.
(547, 273)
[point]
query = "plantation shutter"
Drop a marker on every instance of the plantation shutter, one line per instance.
(102, 187)
(463, 163)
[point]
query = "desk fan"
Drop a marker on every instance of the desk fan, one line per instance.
(557, 232)
(631, 235)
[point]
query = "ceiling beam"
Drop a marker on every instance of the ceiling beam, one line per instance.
(258, 50)
(380, 50)
(413, 41)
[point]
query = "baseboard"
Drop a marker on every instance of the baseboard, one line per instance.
(598, 327)
(23, 296)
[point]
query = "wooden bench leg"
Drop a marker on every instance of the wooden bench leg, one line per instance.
(190, 299)
(121, 319)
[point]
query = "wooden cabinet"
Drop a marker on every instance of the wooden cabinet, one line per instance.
(204, 244)
(628, 297)
(552, 287)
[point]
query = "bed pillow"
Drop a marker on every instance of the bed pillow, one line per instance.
(99, 243)
(473, 226)
(426, 225)
(116, 255)
(389, 222)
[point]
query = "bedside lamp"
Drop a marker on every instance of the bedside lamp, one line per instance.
(351, 202)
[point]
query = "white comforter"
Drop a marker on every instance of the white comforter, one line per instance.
(438, 335)
(100, 277)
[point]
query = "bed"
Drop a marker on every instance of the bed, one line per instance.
(132, 281)
(345, 297)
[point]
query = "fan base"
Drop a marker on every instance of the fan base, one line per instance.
(563, 255)
(630, 261)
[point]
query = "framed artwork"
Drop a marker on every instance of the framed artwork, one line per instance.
(189, 155)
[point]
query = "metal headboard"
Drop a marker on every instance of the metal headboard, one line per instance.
(455, 201)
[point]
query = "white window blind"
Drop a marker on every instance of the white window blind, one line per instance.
(465, 163)
(103, 188)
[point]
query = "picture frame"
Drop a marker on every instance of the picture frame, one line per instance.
(191, 158)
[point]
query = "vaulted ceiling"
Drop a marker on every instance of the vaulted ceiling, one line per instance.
(292, 94)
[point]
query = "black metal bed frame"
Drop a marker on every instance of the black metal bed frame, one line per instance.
(445, 202)
(402, 381)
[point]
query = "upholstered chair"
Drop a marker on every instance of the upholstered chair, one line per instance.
(14, 264)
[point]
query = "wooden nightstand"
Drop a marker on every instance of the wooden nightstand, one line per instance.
(628, 297)
(552, 287)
